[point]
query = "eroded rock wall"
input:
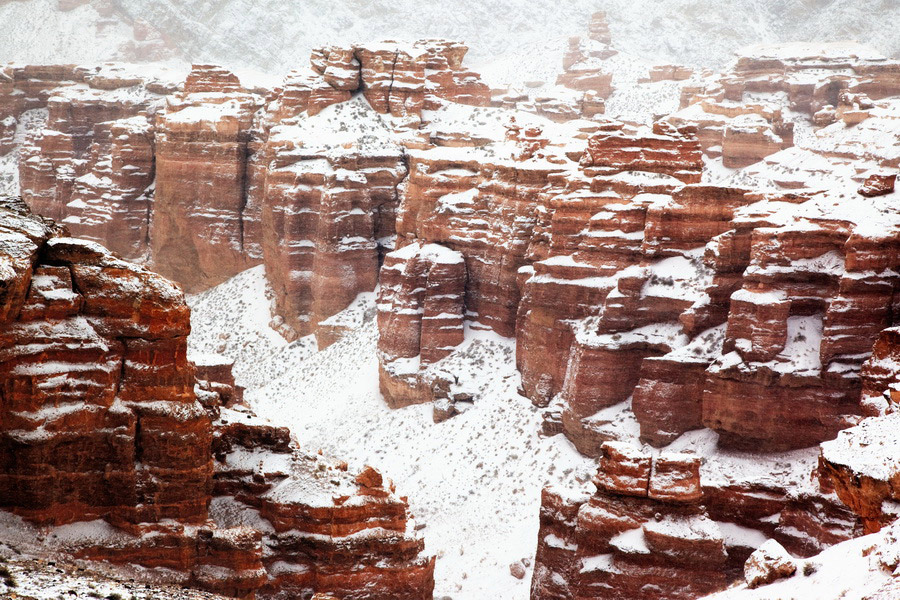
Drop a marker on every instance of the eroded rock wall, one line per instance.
(104, 417)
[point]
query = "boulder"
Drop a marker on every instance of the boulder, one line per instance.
(768, 563)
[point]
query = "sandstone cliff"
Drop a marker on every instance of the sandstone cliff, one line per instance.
(106, 421)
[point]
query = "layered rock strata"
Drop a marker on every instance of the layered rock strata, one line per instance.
(202, 231)
(863, 463)
(583, 67)
(708, 283)
(183, 181)
(659, 526)
(329, 200)
(92, 166)
(741, 133)
(420, 314)
(105, 418)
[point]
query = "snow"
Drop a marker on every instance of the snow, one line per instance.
(29, 121)
(850, 570)
(480, 509)
(510, 39)
(57, 575)
(871, 449)
(339, 127)
(804, 50)
(37, 579)
(631, 542)
(691, 528)
(680, 277)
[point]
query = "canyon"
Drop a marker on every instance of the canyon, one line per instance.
(700, 302)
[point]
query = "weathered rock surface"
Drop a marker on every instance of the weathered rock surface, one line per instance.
(647, 523)
(185, 182)
(200, 235)
(92, 166)
(104, 417)
(583, 67)
(420, 312)
(329, 201)
(768, 563)
(863, 462)
(687, 528)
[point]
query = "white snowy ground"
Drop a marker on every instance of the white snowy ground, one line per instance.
(474, 480)
(33, 579)
(852, 570)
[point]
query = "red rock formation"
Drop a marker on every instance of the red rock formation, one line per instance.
(646, 296)
(481, 202)
(216, 383)
(328, 201)
(683, 527)
(186, 190)
(55, 157)
(96, 380)
(741, 133)
(670, 73)
(101, 420)
(643, 534)
(329, 530)
(420, 317)
(664, 150)
(403, 79)
(93, 163)
(813, 75)
(878, 185)
(583, 67)
(112, 203)
(593, 237)
(862, 463)
(200, 211)
(10, 108)
(748, 139)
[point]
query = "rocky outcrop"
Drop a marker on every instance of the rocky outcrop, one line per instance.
(863, 463)
(687, 527)
(202, 231)
(678, 278)
(329, 200)
(420, 314)
(583, 67)
(558, 104)
(402, 80)
(741, 133)
(92, 166)
(104, 417)
(660, 519)
(96, 381)
(768, 563)
(183, 182)
(813, 76)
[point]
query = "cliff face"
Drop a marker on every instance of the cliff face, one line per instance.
(329, 200)
(207, 181)
(104, 418)
(203, 230)
(698, 283)
(92, 164)
(96, 381)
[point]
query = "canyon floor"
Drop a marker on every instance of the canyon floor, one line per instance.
(474, 481)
